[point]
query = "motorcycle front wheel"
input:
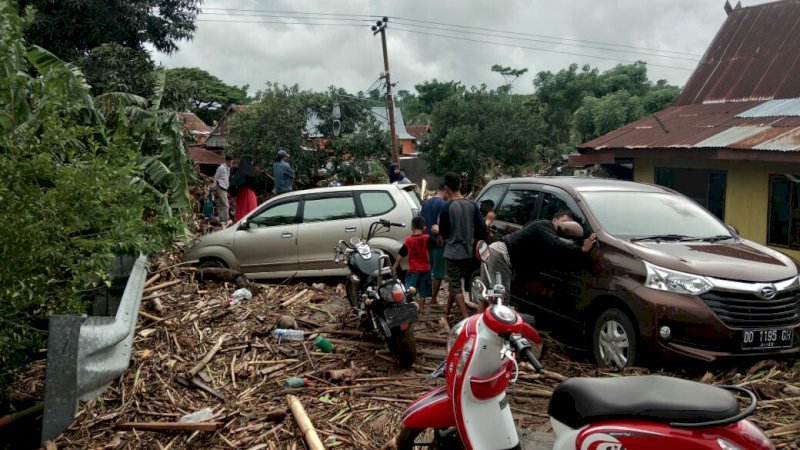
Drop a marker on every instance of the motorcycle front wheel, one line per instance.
(411, 439)
(403, 346)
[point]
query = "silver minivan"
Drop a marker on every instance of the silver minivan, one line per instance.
(294, 234)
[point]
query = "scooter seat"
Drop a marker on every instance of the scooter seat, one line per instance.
(579, 401)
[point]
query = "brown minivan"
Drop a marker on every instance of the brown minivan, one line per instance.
(666, 275)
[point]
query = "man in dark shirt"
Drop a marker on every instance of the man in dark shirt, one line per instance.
(460, 225)
(537, 242)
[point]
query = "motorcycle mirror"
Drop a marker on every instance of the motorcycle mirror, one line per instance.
(483, 251)
(354, 241)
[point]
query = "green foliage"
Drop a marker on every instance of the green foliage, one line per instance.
(193, 89)
(76, 188)
(72, 28)
(580, 105)
(114, 68)
(368, 149)
(480, 132)
(280, 115)
(509, 74)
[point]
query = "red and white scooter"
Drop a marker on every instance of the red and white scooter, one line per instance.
(628, 413)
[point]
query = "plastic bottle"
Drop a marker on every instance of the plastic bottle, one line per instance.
(198, 416)
(289, 335)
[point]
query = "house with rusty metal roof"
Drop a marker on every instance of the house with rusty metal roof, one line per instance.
(731, 139)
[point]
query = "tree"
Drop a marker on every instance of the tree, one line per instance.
(480, 132)
(596, 116)
(193, 89)
(114, 68)
(72, 28)
(77, 189)
(509, 76)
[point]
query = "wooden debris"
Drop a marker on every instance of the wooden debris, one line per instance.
(169, 426)
(306, 427)
(355, 397)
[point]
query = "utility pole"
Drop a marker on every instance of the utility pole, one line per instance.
(380, 27)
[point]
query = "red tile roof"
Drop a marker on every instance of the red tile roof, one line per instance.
(203, 156)
(190, 122)
(418, 130)
(755, 56)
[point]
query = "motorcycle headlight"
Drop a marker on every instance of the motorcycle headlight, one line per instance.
(454, 332)
(662, 279)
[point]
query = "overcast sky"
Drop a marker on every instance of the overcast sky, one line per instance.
(346, 54)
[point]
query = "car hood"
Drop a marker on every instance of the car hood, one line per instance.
(740, 260)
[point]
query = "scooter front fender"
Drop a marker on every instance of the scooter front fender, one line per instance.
(433, 410)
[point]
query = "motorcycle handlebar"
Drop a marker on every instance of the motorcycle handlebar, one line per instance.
(528, 354)
(386, 223)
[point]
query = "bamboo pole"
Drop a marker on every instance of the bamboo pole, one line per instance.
(297, 296)
(306, 427)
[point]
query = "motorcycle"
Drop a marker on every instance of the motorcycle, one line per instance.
(380, 301)
(647, 412)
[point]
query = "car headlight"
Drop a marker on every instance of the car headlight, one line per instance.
(662, 279)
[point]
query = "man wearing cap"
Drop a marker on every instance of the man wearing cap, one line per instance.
(282, 172)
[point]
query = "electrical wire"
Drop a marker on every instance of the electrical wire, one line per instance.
(540, 49)
(466, 27)
(457, 38)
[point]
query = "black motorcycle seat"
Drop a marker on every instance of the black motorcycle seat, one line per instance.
(579, 401)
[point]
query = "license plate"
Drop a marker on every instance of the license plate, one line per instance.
(396, 315)
(767, 339)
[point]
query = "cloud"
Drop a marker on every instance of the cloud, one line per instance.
(316, 57)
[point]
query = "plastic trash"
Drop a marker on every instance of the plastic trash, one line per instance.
(202, 415)
(289, 335)
(295, 382)
(239, 295)
(323, 344)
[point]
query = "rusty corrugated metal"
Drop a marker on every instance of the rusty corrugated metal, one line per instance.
(704, 126)
(755, 56)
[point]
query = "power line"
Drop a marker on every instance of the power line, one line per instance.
(545, 36)
(537, 48)
(549, 42)
(467, 32)
(451, 37)
(282, 23)
(283, 16)
(375, 17)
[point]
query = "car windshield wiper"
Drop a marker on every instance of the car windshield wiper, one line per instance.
(665, 237)
(717, 238)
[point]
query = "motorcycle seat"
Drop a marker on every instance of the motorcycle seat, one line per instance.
(580, 401)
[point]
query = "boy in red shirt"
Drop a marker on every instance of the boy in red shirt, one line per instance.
(419, 268)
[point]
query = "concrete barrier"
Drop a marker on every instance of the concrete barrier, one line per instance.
(85, 354)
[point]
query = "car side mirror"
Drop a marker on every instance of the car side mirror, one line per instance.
(244, 225)
(732, 229)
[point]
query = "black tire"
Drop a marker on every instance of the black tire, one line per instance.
(351, 290)
(213, 263)
(403, 346)
(614, 340)
(407, 437)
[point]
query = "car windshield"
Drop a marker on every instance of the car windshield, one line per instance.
(653, 215)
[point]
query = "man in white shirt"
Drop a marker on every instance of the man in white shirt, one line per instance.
(222, 183)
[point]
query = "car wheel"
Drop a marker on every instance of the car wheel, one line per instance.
(614, 340)
(213, 263)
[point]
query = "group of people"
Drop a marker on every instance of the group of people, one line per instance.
(443, 239)
(242, 186)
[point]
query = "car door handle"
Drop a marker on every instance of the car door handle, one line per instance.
(350, 229)
(287, 235)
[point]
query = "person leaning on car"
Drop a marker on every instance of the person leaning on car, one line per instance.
(537, 243)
